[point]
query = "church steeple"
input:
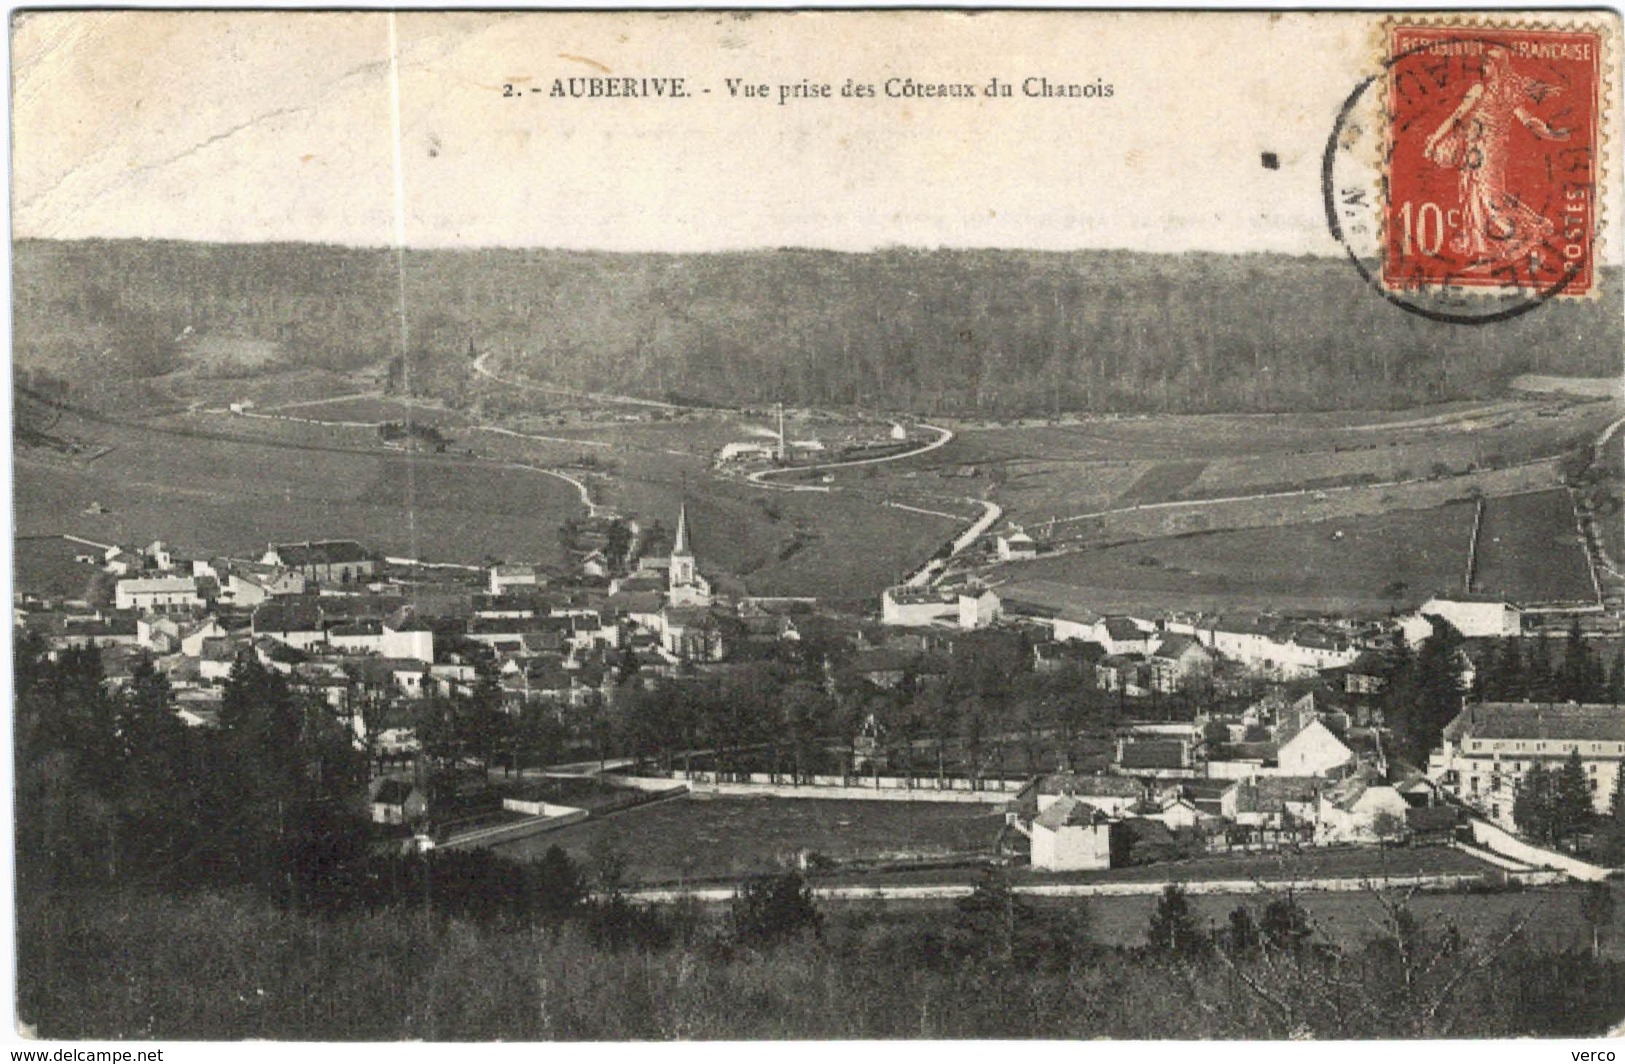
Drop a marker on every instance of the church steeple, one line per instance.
(680, 544)
(684, 585)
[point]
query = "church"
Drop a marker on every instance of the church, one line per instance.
(685, 587)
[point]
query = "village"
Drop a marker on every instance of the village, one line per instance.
(1096, 741)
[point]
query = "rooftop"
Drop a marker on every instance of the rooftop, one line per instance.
(321, 552)
(1539, 720)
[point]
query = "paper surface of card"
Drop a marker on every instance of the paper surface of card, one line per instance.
(465, 462)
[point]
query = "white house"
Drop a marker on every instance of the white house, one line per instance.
(1069, 836)
(1314, 751)
(1359, 810)
(1123, 635)
(193, 638)
(1112, 795)
(1278, 648)
(160, 593)
(250, 585)
(415, 641)
(978, 608)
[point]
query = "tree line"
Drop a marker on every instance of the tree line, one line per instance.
(981, 333)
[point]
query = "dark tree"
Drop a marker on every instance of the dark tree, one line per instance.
(1285, 926)
(1533, 808)
(1572, 803)
(774, 908)
(1173, 930)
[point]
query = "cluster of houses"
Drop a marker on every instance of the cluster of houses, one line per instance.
(1307, 759)
(363, 632)
(1325, 783)
(1303, 762)
(1136, 656)
(1292, 767)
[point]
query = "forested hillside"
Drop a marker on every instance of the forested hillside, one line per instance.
(989, 333)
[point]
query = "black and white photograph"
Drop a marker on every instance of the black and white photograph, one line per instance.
(816, 526)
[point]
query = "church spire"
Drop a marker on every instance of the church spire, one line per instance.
(680, 544)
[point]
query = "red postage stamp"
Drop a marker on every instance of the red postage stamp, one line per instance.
(1492, 158)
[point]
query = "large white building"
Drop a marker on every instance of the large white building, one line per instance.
(1489, 747)
(911, 607)
(157, 593)
(1475, 616)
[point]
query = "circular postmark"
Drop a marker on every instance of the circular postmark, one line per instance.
(1460, 178)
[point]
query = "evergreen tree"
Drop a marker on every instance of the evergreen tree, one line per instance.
(1577, 678)
(1285, 926)
(156, 785)
(1533, 807)
(1173, 930)
(1571, 799)
(1615, 694)
(991, 918)
(559, 883)
(1611, 833)
(1437, 696)
(1504, 678)
(770, 909)
(1540, 683)
(1241, 936)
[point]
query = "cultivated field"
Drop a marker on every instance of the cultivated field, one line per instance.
(235, 496)
(1530, 551)
(1358, 564)
(728, 838)
(45, 564)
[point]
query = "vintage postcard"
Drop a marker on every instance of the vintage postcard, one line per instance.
(723, 525)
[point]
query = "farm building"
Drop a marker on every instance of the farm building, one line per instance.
(1058, 607)
(1475, 616)
(909, 607)
(340, 561)
(1176, 660)
(160, 593)
(505, 577)
(1015, 546)
(978, 608)
(396, 801)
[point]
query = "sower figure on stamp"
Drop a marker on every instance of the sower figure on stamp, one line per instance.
(1498, 229)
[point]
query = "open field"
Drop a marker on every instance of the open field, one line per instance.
(377, 410)
(229, 483)
(268, 389)
(1551, 916)
(729, 838)
(1530, 552)
(1338, 863)
(1081, 465)
(704, 434)
(45, 564)
(235, 496)
(1344, 564)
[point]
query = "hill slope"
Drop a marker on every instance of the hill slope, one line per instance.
(953, 332)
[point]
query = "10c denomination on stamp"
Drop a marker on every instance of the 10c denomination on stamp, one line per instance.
(1492, 158)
